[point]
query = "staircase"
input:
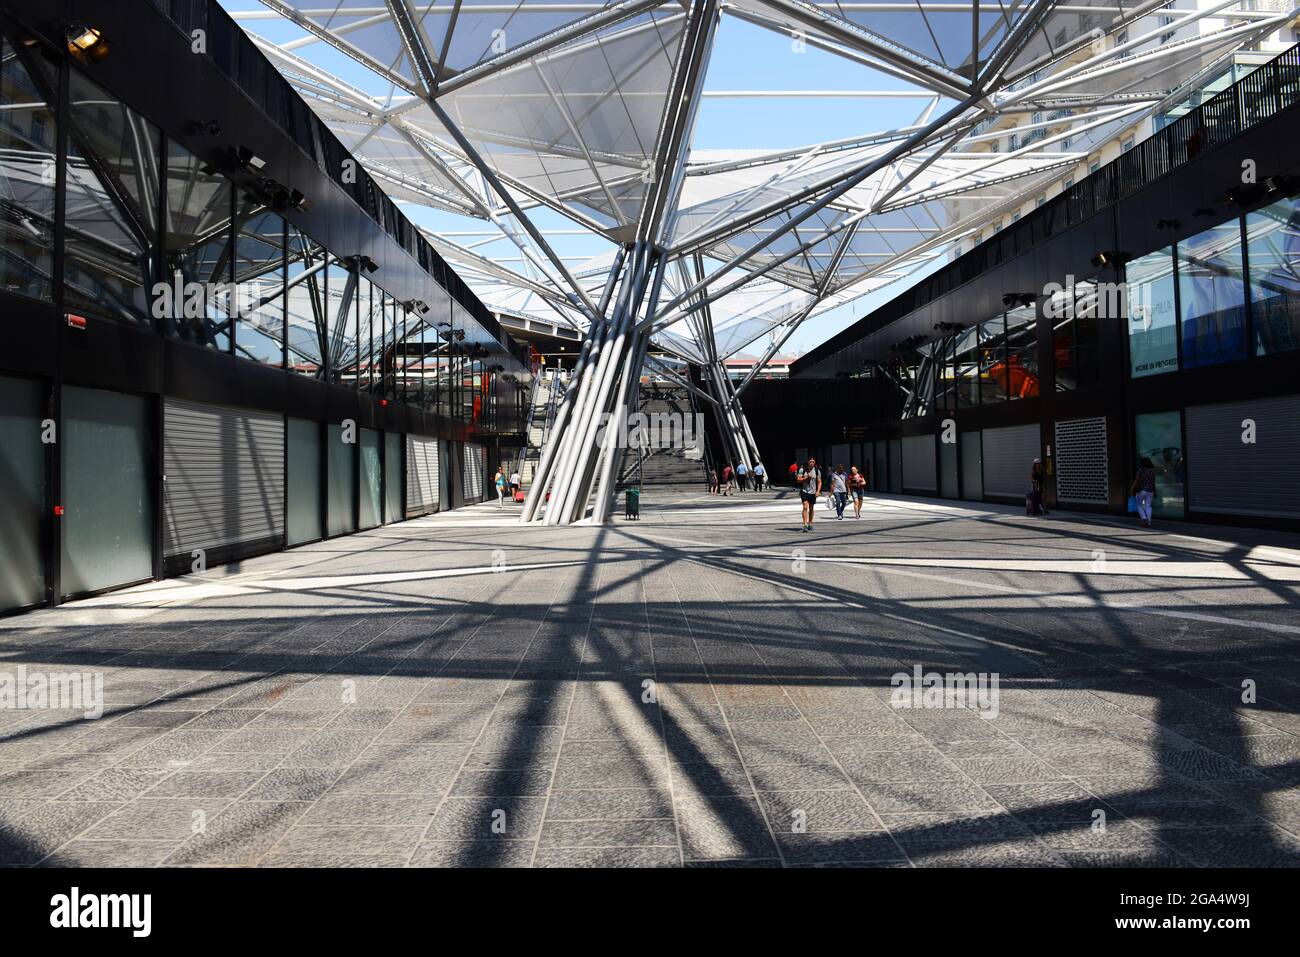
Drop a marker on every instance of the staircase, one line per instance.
(548, 389)
(665, 466)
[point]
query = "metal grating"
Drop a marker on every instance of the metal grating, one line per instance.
(1082, 467)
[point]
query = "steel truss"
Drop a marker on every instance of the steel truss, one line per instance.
(826, 222)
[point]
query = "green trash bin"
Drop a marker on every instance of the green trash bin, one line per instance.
(633, 503)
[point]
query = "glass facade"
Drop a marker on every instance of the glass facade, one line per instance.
(259, 283)
(1076, 314)
(162, 238)
(112, 206)
(1212, 296)
(1273, 251)
(27, 172)
(1152, 314)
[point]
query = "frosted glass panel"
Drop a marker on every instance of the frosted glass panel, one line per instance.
(393, 470)
(304, 481)
(342, 481)
(371, 479)
(107, 473)
(22, 493)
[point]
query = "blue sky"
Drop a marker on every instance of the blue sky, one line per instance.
(744, 57)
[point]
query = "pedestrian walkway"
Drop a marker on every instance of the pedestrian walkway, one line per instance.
(706, 687)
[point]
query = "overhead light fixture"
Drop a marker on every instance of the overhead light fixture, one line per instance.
(298, 201)
(1012, 299)
(249, 161)
(1110, 257)
(86, 42)
(1168, 224)
(370, 264)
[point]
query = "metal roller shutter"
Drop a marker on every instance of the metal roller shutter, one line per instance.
(918, 463)
(225, 482)
(1008, 455)
(1234, 477)
(421, 475)
(878, 481)
(473, 470)
(972, 471)
(1082, 466)
(895, 465)
(840, 456)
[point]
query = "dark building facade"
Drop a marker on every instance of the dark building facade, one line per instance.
(220, 337)
(1150, 311)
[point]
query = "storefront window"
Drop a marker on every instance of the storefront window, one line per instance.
(1075, 315)
(1152, 316)
(1159, 437)
(1212, 296)
(1020, 374)
(1273, 253)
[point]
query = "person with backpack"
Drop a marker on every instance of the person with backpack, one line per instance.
(809, 482)
(1144, 490)
(857, 488)
(839, 491)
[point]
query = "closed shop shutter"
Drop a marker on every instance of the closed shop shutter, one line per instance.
(879, 479)
(839, 456)
(972, 470)
(1008, 455)
(225, 482)
(421, 475)
(472, 472)
(1231, 476)
(918, 463)
(1082, 473)
(895, 465)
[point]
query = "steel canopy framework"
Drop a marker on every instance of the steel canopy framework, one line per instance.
(502, 111)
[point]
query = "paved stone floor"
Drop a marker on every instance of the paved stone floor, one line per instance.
(708, 686)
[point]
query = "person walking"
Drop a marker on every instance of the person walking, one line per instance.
(713, 481)
(1144, 490)
(809, 482)
(1036, 504)
(759, 474)
(500, 482)
(742, 476)
(840, 491)
(516, 483)
(857, 488)
(727, 476)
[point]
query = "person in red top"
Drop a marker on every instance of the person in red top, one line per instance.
(726, 479)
